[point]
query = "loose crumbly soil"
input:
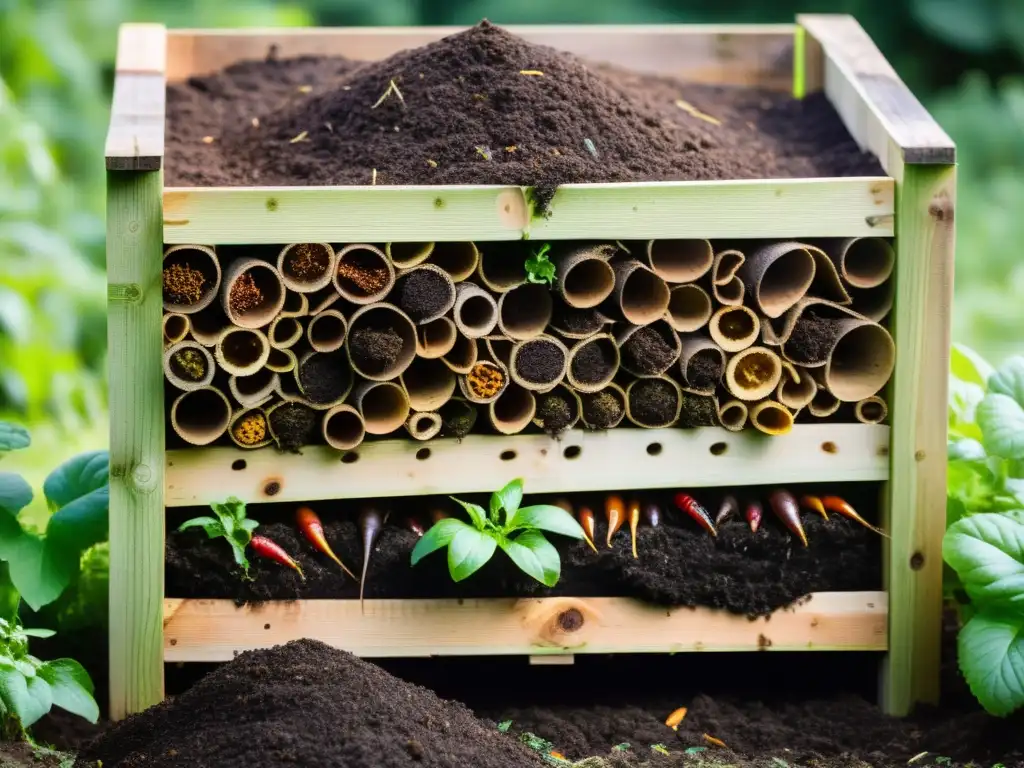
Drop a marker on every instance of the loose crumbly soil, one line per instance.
(576, 321)
(653, 402)
(593, 362)
(704, 370)
(188, 364)
(325, 377)
(24, 755)
(540, 362)
(293, 425)
(375, 350)
(457, 418)
(361, 273)
(698, 411)
(556, 410)
(307, 261)
(812, 338)
(245, 295)
(602, 409)
(647, 352)
(422, 294)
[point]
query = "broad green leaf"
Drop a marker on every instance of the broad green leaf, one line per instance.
(71, 687)
(511, 497)
(15, 494)
(13, 437)
(438, 537)
(211, 525)
(1001, 420)
(233, 508)
(987, 552)
(966, 449)
(990, 649)
(469, 550)
(476, 513)
(15, 695)
(1009, 380)
(535, 556)
(249, 525)
(79, 476)
(546, 518)
(967, 365)
(40, 632)
(494, 509)
(970, 26)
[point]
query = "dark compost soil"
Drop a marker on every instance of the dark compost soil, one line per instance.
(293, 425)
(603, 409)
(698, 411)
(576, 321)
(375, 350)
(704, 370)
(556, 410)
(457, 418)
(593, 362)
(647, 352)
(325, 376)
(653, 401)
(812, 338)
(422, 294)
(540, 362)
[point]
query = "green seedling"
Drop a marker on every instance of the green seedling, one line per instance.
(539, 268)
(231, 524)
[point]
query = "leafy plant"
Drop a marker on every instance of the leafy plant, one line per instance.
(231, 524)
(539, 268)
(519, 531)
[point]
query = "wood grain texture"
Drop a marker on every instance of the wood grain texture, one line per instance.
(719, 54)
(141, 49)
(134, 258)
(784, 208)
(578, 461)
(135, 136)
(216, 630)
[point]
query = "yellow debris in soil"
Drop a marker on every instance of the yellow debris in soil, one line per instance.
(192, 364)
(531, 72)
(208, 139)
(688, 107)
(251, 429)
(301, 137)
(183, 284)
(714, 741)
(673, 720)
(485, 380)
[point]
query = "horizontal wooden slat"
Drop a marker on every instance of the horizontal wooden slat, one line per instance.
(724, 54)
(135, 136)
(141, 49)
(802, 208)
(578, 461)
(216, 630)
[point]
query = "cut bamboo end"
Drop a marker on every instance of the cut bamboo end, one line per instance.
(823, 404)
(325, 379)
(200, 416)
(381, 342)
(297, 304)
(249, 428)
(650, 350)
(485, 382)
(871, 410)
(874, 303)
(436, 339)
(680, 261)
(458, 417)
(701, 363)
(424, 426)
(734, 328)
(653, 402)
(796, 389)
(292, 423)
(689, 308)
(363, 274)
(538, 364)
(476, 311)
(499, 349)
(321, 300)
(188, 366)
(252, 293)
(604, 409)
(306, 267)
(584, 276)
(771, 417)
(593, 363)
(463, 355)
(327, 331)
(525, 311)
(501, 266)
(727, 287)
(732, 414)
(513, 410)
(383, 405)
(343, 428)
(642, 296)
(175, 327)
(827, 282)
(191, 278)
(284, 332)
(778, 276)
(753, 374)
(429, 384)
(242, 351)
(281, 360)
(866, 262)
(424, 293)
(551, 413)
(408, 255)
(252, 390)
(861, 361)
(459, 260)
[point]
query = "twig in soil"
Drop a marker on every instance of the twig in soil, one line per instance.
(661, 749)
(531, 72)
(589, 146)
(208, 139)
(432, 163)
(373, 178)
(301, 137)
(392, 88)
(713, 740)
(688, 107)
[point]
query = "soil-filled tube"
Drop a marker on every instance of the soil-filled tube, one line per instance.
(188, 365)
(650, 350)
(501, 266)
(281, 360)
(252, 293)
(485, 382)
(753, 374)
(871, 410)
(689, 308)
(381, 342)
(641, 295)
(653, 402)
(476, 311)
(583, 275)
(538, 364)
(524, 312)
(680, 261)
(558, 410)
(249, 428)
(732, 414)
(796, 388)
(424, 293)
(823, 404)
(771, 417)
(593, 363)
(363, 274)
(242, 351)
(726, 285)
(343, 428)
(513, 410)
(734, 328)
(604, 409)
(327, 331)
(458, 260)
(201, 416)
(176, 327)
(463, 355)
(306, 267)
(293, 423)
(458, 417)
(383, 405)
(429, 384)
(701, 363)
(284, 332)
(436, 339)
(778, 276)
(861, 361)
(700, 409)
(254, 389)
(324, 379)
(408, 255)
(572, 323)
(424, 426)
(864, 262)
(191, 278)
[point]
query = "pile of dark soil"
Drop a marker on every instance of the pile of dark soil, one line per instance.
(647, 352)
(293, 425)
(421, 294)
(653, 401)
(704, 370)
(812, 338)
(556, 410)
(375, 350)
(593, 362)
(540, 362)
(324, 377)
(601, 410)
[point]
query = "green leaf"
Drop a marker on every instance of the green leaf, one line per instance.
(504, 725)
(990, 648)
(546, 518)
(14, 693)
(438, 537)
(1001, 420)
(233, 509)
(15, 494)
(539, 268)
(71, 687)
(249, 525)
(535, 556)
(476, 513)
(40, 632)
(967, 365)
(511, 497)
(81, 475)
(211, 525)
(987, 552)
(13, 437)
(468, 551)
(1009, 380)
(966, 449)
(970, 26)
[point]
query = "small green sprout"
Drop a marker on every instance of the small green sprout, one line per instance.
(539, 268)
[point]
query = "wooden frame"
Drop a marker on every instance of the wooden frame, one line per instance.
(914, 202)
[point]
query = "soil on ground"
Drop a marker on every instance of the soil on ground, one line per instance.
(422, 294)
(647, 352)
(602, 410)
(652, 402)
(540, 362)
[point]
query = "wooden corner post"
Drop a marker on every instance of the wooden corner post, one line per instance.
(885, 118)
(134, 153)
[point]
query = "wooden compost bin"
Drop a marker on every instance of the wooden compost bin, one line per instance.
(914, 203)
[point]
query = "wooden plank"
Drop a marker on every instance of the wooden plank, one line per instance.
(879, 110)
(134, 257)
(217, 630)
(578, 461)
(720, 54)
(924, 298)
(782, 208)
(135, 137)
(141, 49)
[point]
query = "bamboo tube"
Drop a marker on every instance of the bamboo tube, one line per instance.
(726, 285)
(321, 300)
(476, 311)
(753, 374)
(513, 410)
(873, 303)
(604, 409)
(325, 379)
(732, 414)
(372, 335)
(281, 360)
(242, 351)
(525, 311)
(864, 262)
(383, 405)
(292, 423)
(642, 296)
(796, 389)
(458, 418)
(827, 283)
(200, 416)
(436, 339)
(188, 366)
(871, 410)
(734, 328)
(459, 260)
(424, 426)
(593, 362)
(252, 390)
(769, 337)
(208, 325)
(653, 402)
(548, 409)
(343, 428)
(689, 308)
(408, 255)
(572, 323)
(297, 304)
(363, 274)
(463, 355)
(499, 349)
(701, 363)
(284, 332)
(501, 266)
(823, 404)
(424, 293)
(648, 351)
(778, 276)
(699, 409)
(538, 364)
(191, 278)
(771, 417)
(306, 267)
(176, 327)
(428, 384)
(810, 329)
(583, 275)
(252, 293)
(680, 261)
(485, 382)
(327, 331)
(248, 429)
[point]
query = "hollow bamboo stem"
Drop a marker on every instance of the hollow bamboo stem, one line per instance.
(327, 331)
(436, 339)
(429, 384)
(188, 366)
(476, 311)
(513, 410)
(200, 416)
(252, 293)
(423, 426)
(753, 374)
(734, 328)
(343, 428)
(306, 267)
(191, 278)
(680, 261)
(242, 351)
(363, 274)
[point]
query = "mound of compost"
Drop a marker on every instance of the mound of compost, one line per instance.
(486, 107)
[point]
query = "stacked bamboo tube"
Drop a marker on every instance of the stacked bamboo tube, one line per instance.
(330, 344)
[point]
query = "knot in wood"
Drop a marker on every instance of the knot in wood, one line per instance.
(570, 620)
(941, 208)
